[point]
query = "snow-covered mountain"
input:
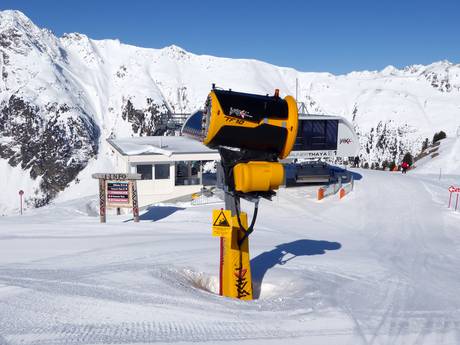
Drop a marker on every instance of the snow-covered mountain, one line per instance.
(61, 98)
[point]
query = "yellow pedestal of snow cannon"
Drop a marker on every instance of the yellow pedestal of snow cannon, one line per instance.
(235, 269)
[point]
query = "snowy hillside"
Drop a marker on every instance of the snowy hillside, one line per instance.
(378, 267)
(441, 160)
(61, 98)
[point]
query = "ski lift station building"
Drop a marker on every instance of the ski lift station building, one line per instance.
(321, 136)
(172, 166)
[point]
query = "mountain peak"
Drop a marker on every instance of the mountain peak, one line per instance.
(14, 18)
(175, 52)
(174, 48)
(389, 70)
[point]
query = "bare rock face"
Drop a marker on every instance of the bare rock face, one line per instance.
(48, 142)
(153, 120)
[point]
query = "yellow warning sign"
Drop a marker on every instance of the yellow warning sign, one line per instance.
(221, 226)
(220, 218)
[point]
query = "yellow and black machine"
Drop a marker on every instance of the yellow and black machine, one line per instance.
(251, 132)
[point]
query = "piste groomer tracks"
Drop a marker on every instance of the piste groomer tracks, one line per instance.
(252, 132)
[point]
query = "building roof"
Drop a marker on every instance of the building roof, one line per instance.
(158, 145)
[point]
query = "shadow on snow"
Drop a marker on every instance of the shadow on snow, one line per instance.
(283, 253)
(155, 213)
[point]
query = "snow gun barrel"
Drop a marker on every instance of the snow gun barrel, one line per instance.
(246, 121)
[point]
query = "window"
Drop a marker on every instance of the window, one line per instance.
(161, 171)
(316, 135)
(145, 170)
(188, 173)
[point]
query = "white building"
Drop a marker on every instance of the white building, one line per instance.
(171, 167)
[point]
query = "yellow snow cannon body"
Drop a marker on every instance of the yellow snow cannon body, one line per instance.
(251, 132)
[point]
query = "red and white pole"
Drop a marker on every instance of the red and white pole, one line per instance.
(21, 193)
(221, 267)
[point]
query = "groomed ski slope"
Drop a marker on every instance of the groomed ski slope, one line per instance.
(381, 266)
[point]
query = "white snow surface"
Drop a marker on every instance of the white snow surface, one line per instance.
(446, 160)
(377, 267)
(100, 76)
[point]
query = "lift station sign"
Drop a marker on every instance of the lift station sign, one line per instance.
(118, 194)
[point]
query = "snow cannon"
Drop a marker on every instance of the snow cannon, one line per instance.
(246, 121)
(257, 128)
(251, 132)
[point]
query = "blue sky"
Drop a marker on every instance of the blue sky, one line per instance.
(333, 36)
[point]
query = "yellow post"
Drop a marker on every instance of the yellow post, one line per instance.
(235, 269)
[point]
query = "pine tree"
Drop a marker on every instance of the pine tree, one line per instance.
(385, 164)
(425, 144)
(408, 158)
(439, 136)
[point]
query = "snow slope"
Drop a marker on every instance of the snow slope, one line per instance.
(378, 267)
(104, 88)
(445, 160)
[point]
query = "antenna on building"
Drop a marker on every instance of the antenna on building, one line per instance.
(296, 89)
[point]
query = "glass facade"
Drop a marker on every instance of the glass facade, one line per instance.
(317, 135)
(188, 173)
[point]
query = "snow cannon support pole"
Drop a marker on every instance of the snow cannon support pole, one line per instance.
(235, 278)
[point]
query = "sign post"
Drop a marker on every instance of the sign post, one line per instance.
(456, 190)
(102, 207)
(117, 191)
(21, 193)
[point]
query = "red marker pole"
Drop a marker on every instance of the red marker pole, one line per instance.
(221, 267)
(456, 203)
(450, 199)
(21, 193)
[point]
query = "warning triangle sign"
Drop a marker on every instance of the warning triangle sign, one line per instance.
(221, 220)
